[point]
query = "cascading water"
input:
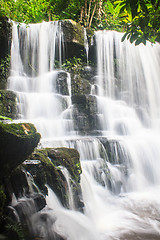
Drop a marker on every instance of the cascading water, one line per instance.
(34, 79)
(121, 197)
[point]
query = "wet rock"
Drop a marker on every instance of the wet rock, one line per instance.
(79, 85)
(85, 113)
(48, 171)
(88, 72)
(17, 142)
(61, 83)
(44, 172)
(29, 205)
(74, 38)
(67, 157)
(8, 106)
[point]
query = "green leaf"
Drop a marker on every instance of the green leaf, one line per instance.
(5, 118)
(124, 36)
(138, 41)
(110, 7)
(133, 37)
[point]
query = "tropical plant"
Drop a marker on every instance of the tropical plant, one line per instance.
(143, 20)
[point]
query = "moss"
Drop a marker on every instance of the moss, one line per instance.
(8, 106)
(45, 172)
(69, 158)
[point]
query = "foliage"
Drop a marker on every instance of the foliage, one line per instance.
(142, 18)
(138, 18)
(5, 118)
(113, 20)
(75, 64)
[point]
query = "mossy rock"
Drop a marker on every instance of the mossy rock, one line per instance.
(80, 86)
(69, 158)
(73, 32)
(8, 106)
(73, 38)
(47, 171)
(44, 172)
(17, 142)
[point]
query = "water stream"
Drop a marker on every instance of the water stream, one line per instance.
(128, 206)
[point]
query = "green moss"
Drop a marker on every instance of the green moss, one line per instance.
(69, 158)
(45, 172)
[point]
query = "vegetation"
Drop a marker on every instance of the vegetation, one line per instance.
(142, 18)
(138, 18)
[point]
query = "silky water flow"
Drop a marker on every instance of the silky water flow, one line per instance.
(127, 205)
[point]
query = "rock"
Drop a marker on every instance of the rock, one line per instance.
(89, 72)
(8, 107)
(61, 83)
(45, 172)
(69, 158)
(85, 113)
(48, 171)
(5, 38)
(27, 206)
(79, 85)
(114, 150)
(72, 31)
(73, 38)
(17, 142)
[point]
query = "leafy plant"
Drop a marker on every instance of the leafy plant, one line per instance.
(75, 64)
(142, 18)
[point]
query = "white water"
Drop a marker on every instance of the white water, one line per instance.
(128, 112)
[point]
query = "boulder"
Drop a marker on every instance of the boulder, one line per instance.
(17, 142)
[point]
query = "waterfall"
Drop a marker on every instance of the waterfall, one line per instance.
(120, 178)
(86, 44)
(33, 77)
